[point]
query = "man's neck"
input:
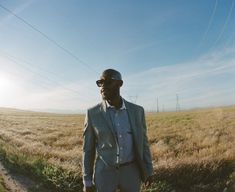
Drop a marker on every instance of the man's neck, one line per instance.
(116, 102)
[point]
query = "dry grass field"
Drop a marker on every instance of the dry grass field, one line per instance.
(193, 151)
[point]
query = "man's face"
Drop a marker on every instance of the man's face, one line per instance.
(109, 88)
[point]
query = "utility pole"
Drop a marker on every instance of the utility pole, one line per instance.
(157, 106)
(177, 108)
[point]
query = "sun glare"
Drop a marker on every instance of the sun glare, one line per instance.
(6, 84)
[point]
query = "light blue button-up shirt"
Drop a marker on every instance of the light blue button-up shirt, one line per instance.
(121, 124)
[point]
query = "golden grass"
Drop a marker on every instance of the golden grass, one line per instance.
(56, 138)
(193, 137)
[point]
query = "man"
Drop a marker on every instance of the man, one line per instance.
(115, 141)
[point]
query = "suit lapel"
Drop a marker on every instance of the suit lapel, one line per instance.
(131, 116)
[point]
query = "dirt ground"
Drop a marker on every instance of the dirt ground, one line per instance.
(12, 183)
(17, 183)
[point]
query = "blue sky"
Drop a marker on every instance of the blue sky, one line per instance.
(51, 52)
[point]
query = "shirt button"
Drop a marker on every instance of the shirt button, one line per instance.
(120, 136)
(121, 148)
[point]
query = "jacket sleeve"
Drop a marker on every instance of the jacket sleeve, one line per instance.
(89, 150)
(147, 158)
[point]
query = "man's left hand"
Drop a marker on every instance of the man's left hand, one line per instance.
(148, 181)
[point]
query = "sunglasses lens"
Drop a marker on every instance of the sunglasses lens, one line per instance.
(99, 83)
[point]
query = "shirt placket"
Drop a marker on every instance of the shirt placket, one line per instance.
(120, 134)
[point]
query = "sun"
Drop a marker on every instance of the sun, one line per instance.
(8, 90)
(5, 84)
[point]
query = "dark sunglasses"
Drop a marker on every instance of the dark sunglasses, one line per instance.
(101, 82)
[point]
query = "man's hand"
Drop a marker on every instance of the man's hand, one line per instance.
(89, 189)
(148, 181)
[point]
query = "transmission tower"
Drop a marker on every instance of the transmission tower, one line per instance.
(157, 106)
(177, 108)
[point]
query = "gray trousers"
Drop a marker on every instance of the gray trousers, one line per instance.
(126, 179)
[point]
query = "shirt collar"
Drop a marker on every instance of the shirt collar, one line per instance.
(110, 106)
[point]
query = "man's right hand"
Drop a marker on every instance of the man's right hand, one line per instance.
(89, 189)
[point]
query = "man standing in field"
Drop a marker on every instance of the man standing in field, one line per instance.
(115, 141)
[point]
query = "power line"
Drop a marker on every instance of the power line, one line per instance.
(209, 24)
(49, 38)
(228, 41)
(27, 65)
(225, 24)
(12, 59)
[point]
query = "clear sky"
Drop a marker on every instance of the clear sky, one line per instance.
(51, 52)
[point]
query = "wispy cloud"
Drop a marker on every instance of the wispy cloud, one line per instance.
(207, 81)
(199, 83)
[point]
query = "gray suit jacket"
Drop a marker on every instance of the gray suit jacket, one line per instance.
(100, 142)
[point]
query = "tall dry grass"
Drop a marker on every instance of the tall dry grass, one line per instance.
(196, 145)
(192, 136)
